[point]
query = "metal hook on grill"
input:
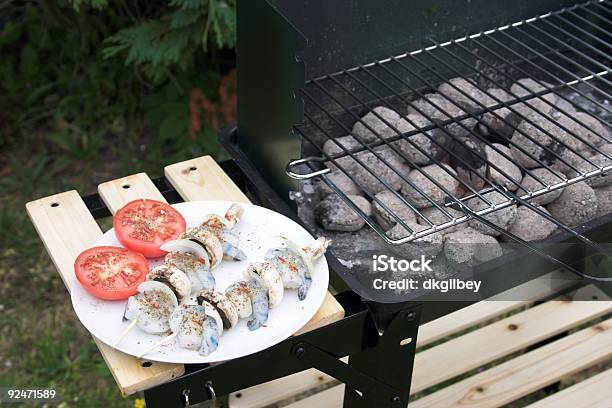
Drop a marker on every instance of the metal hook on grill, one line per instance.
(211, 391)
(462, 207)
(185, 397)
(305, 160)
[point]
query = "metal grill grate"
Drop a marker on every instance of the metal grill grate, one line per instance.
(565, 53)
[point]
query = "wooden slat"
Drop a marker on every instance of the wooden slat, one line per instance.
(117, 193)
(500, 339)
(595, 392)
(527, 373)
(480, 312)
(268, 393)
(330, 398)
(291, 385)
(66, 228)
(203, 179)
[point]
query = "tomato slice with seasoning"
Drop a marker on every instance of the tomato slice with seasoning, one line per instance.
(144, 225)
(111, 273)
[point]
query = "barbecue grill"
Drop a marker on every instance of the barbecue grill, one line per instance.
(517, 86)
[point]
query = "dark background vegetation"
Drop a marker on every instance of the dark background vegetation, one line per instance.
(92, 90)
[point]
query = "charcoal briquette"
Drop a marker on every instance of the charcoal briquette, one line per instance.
(376, 121)
(531, 184)
(576, 204)
(335, 215)
(396, 206)
(501, 217)
(509, 173)
(468, 247)
(436, 193)
(429, 245)
(531, 226)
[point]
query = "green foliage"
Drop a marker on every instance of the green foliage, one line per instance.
(91, 90)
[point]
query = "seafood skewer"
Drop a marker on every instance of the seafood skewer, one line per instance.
(226, 309)
(295, 263)
(150, 308)
(270, 278)
(196, 268)
(178, 327)
(174, 278)
(250, 299)
(196, 330)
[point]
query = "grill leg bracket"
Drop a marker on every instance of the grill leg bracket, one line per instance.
(389, 362)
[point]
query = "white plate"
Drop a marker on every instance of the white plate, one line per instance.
(257, 231)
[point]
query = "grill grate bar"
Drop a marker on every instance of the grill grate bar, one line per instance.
(569, 60)
(546, 86)
(552, 45)
(458, 157)
(524, 117)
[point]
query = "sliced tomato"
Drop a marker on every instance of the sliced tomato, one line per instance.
(111, 273)
(144, 225)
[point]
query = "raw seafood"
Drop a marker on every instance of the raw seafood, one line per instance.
(174, 278)
(151, 307)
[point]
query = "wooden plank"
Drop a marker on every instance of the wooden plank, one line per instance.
(203, 179)
(594, 392)
(117, 193)
(66, 228)
(513, 299)
(527, 373)
(499, 339)
(268, 393)
(291, 385)
(330, 398)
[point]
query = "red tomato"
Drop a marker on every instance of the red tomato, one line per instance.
(144, 225)
(111, 273)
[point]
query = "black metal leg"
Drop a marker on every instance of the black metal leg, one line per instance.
(390, 361)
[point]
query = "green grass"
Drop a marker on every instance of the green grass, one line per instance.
(41, 341)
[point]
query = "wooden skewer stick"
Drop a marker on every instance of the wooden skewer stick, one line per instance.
(156, 345)
(125, 332)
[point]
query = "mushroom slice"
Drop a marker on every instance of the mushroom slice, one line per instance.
(222, 304)
(209, 242)
(174, 278)
(270, 278)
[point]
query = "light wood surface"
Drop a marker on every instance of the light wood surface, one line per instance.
(203, 179)
(518, 377)
(486, 310)
(330, 398)
(527, 373)
(66, 228)
(595, 392)
(273, 391)
(499, 339)
(117, 193)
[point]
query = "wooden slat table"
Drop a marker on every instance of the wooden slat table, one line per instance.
(495, 338)
(66, 228)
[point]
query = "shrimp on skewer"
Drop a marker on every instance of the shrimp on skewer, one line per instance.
(195, 329)
(173, 278)
(150, 308)
(221, 225)
(270, 278)
(207, 241)
(187, 332)
(196, 269)
(250, 299)
(295, 263)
